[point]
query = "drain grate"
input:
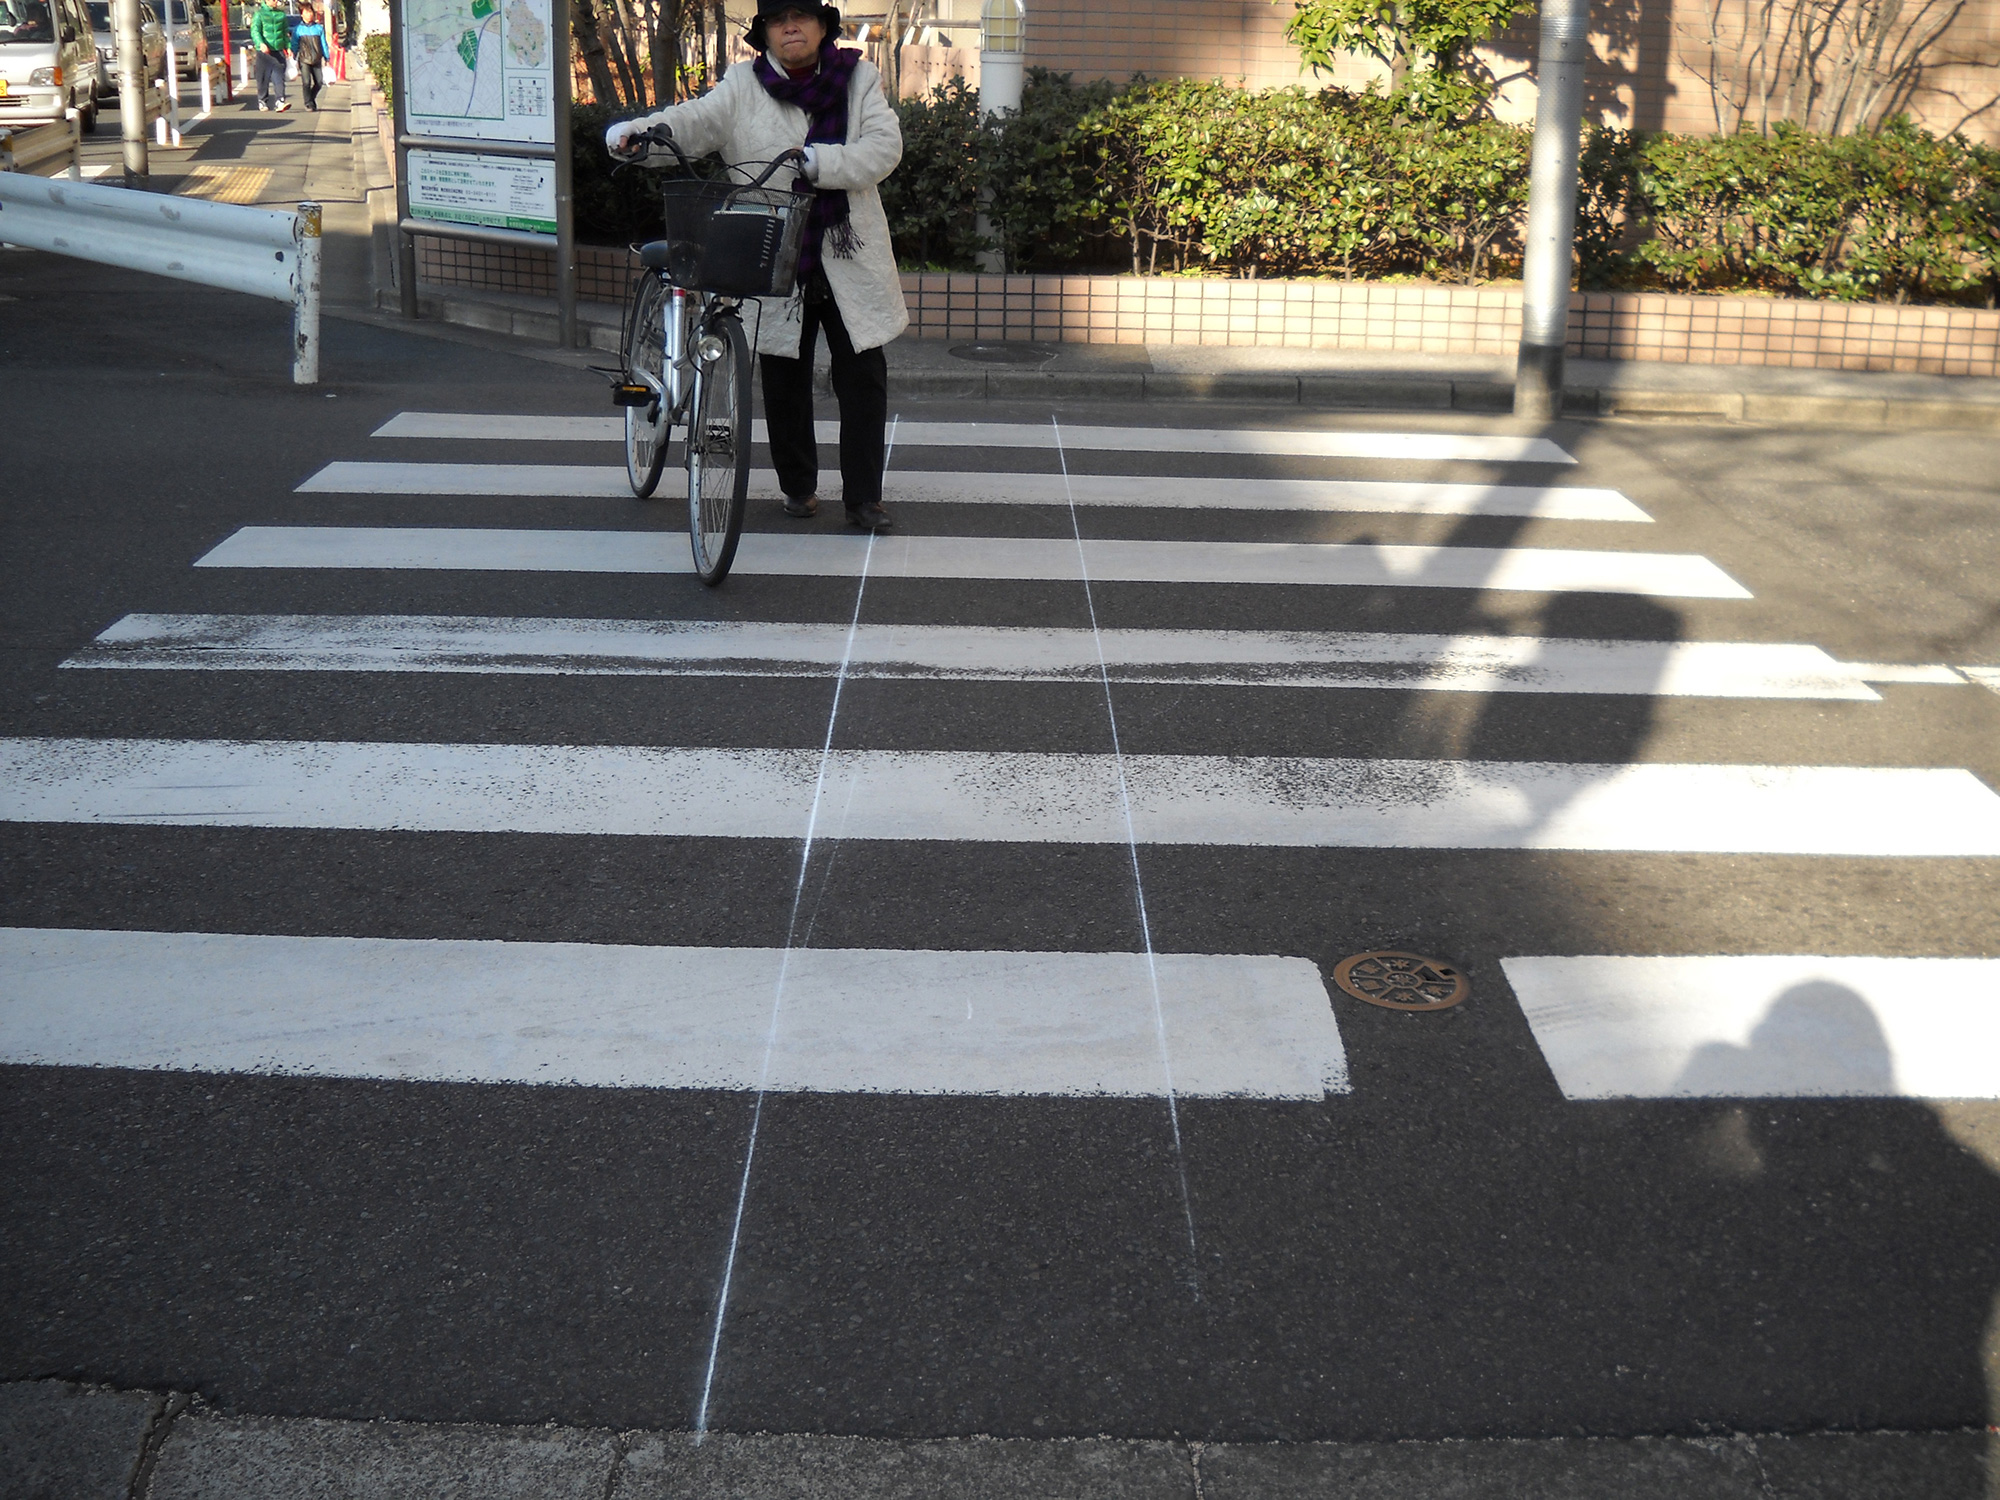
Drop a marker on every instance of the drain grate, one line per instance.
(1401, 981)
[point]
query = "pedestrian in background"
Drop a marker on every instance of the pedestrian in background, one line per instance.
(309, 46)
(270, 34)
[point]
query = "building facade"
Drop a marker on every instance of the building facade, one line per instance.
(1680, 65)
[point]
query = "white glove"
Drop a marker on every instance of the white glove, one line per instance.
(811, 164)
(617, 135)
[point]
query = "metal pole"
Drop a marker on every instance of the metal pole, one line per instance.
(228, 86)
(1001, 65)
(131, 89)
(559, 40)
(406, 243)
(305, 309)
(1545, 272)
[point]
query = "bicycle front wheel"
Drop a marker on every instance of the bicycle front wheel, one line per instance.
(718, 448)
(647, 428)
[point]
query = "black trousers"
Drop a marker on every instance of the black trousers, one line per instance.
(312, 78)
(860, 385)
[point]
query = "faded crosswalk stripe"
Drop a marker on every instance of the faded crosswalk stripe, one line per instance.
(1221, 658)
(1002, 796)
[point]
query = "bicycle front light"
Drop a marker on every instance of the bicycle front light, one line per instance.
(710, 349)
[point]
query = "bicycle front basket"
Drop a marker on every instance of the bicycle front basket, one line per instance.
(736, 241)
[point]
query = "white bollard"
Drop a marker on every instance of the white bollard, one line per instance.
(305, 309)
(243, 67)
(207, 91)
(173, 83)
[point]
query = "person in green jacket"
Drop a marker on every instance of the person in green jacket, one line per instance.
(271, 35)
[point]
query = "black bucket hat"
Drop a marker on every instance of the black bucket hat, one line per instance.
(768, 10)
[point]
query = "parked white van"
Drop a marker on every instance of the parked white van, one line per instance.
(48, 63)
(104, 32)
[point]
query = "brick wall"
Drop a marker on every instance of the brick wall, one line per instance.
(1452, 320)
(1342, 315)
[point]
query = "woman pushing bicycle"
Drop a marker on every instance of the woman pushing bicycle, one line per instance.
(804, 92)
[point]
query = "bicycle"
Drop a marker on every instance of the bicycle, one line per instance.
(686, 358)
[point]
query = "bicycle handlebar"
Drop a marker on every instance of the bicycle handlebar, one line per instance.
(661, 135)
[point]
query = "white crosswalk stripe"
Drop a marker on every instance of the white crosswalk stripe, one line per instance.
(969, 1023)
(1405, 446)
(906, 487)
(1765, 1026)
(1539, 570)
(1006, 797)
(1245, 658)
(857, 1020)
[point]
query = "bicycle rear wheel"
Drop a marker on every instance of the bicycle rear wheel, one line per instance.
(648, 429)
(718, 450)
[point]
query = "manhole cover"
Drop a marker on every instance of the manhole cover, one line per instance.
(1004, 354)
(1401, 981)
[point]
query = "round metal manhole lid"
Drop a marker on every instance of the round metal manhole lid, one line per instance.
(1004, 354)
(1401, 981)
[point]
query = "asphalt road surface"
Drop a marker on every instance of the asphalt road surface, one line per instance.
(456, 967)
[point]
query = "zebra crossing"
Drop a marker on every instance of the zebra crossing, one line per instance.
(886, 1020)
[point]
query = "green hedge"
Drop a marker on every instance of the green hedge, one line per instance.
(1182, 176)
(376, 48)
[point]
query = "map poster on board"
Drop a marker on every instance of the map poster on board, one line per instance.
(479, 70)
(497, 192)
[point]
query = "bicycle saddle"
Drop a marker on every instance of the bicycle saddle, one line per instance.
(653, 255)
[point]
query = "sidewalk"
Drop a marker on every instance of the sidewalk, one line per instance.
(83, 1443)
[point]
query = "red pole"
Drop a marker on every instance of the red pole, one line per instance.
(228, 70)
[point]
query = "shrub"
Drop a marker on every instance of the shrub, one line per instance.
(1042, 168)
(614, 204)
(1892, 215)
(932, 199)
(1607, 184)
(375, 47)
(1179, 175)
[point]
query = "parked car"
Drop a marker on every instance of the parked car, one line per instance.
(104, 35)
(48, 64)
(188, 24)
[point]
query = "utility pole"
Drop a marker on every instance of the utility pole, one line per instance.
(1002, 24)
(131, 89)
(1538, 373)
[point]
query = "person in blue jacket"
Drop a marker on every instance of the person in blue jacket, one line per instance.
(310, 47)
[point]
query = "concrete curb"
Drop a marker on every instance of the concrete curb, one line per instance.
(90, 1443)
(531, 320)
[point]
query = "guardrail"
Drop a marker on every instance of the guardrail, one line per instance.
(260, 252)
(27, 150)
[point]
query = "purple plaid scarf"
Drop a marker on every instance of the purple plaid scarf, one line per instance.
(823, 96)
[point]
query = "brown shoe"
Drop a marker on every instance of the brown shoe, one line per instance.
(869, 517)
(802, 507)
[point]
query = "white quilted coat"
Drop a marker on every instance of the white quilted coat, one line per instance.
(742, 121)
